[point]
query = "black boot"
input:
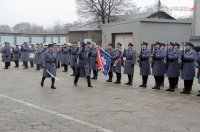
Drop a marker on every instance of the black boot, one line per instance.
(144, 82)
(31, 62)
(129, 80)
(26, 65)
(89, 82)
(6, 65)
(118, 81)
(95, 75)
(73, 68)
(42, 82)
(38, 67)
(53, 83)
(198, 94)
(76, 79)
(110, 77)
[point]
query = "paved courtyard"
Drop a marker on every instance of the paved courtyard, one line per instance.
(26, 107)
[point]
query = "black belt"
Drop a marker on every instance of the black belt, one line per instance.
(144, 59)
(50, 62)
(127, 59)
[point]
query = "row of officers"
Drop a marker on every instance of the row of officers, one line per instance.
(167, 60)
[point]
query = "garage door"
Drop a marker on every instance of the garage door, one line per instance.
(124, 39)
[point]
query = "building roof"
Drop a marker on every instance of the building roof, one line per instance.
(149, 20)
(86, 27)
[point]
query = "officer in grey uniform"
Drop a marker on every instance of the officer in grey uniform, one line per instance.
(188, 67)
(158, 67)
(173, 67)
(93, 60)
(6, 55)
(32, 55)
(118, 63)
(59, 55)
(38, 56)
(177, 48)
(198, 74)
(83, 65)
(49, 65)
(130, 55)
(25, 54)
(16, 55)
(111, 52)
(144, 64)
(65, 57)
(163, 47)
(73, 57)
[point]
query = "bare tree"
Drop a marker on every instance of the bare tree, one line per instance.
(5, 28)
(23, 27)
(104, 9)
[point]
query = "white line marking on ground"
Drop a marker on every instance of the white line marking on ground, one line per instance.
(57, 114)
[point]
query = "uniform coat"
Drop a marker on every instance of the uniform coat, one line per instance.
(111, 52)
(158, 68)
(49, 63)
(173, 68)
(25, 53)
(130, 61)
(188, 70)
(93, 59)
(145, 64)
(83, 66)
(118, 55)
(198, 62)
(6, 53)
(16, 54)
(65, 57)
(59, 56)
(73, 56)
(32, 54)
(38, 56)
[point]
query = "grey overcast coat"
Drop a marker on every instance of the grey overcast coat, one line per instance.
(145, 69)
(16, 54)
(158, 68)
(65, 57)
(188, 70)
(73, 56)
(93, 59)
(117, 65)
(6, 53)
(130, 61)
(49, 63)
(83, 66)
(173, 68)
(111, 52)
(25, 53)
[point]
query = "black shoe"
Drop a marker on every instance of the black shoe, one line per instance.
(72, 74)
(143, 86)
(53, 87)
(109, 80)
(75, 84)
(90, 86)
(198, 94)
(117, 82)
(183, 92)
(172, 90)
(42, 84)
(187, 92)
(168, 89)
(154, 87)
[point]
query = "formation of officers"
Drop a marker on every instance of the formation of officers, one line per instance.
(169, 60)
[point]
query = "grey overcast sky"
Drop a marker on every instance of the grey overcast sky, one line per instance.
(46, 12)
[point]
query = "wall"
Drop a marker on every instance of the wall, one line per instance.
(18, 38)
(79, 36)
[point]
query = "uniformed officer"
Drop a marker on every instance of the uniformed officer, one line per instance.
(83, 65)
(32, 55)
(164, 48)
(111, 52)
(49, 65)
(73, 57)
(158, 67)
(25, 54)
(93, 60)
(38, 56)
(59, 55)
(130, 55)
(177, 48)
(6, 55)
(173, 67)
(144, 64)
(198, 74)
(65, 57)
(118, 63)
(16, 55)
(188, 67)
